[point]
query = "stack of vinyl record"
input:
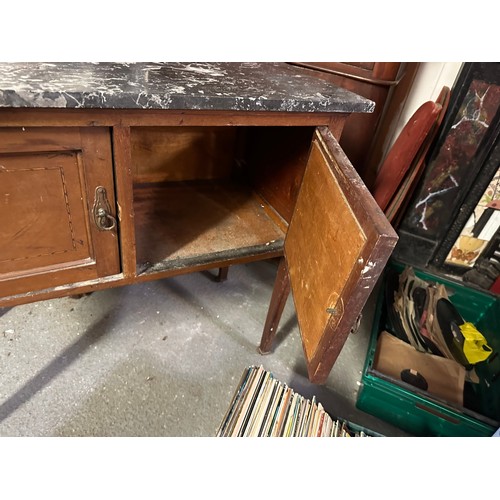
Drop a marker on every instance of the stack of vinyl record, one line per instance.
(421, 314)
(265, 407)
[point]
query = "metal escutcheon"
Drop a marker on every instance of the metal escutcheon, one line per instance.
(101, 211)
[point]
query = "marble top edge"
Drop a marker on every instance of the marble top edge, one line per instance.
(176, 86)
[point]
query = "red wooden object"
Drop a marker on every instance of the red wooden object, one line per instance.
(399, 201)
(403, 152)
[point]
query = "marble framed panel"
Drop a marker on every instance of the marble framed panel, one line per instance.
(459, 167)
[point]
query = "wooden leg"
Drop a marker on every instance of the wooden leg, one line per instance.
(223, 271)
(278, 300)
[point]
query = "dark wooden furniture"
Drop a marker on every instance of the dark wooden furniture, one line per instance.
(116, 174)
(376, 81)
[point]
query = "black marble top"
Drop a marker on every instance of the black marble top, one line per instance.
(201, 86)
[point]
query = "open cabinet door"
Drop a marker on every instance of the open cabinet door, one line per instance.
(337, 244)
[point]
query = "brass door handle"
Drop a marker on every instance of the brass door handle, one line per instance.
(102, 211)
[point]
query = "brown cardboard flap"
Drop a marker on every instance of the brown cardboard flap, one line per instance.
(443, 377)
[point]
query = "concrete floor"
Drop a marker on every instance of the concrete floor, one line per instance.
(158, 359)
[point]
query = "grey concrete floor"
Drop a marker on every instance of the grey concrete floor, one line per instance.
(158, 359)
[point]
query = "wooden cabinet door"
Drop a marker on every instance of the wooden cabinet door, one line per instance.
(337, 244)
(48, 182)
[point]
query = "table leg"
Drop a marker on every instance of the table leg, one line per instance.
(223, 272)
(278, 300)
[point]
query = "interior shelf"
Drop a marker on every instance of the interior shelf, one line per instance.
(180, 224)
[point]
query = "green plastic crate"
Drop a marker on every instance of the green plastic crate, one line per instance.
(416, 411)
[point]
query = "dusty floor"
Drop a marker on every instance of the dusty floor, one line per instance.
(158, 359)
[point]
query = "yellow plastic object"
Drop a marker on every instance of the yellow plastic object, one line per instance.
(476, 347)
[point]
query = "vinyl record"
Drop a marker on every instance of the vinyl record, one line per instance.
(394, 324)
(449, 320)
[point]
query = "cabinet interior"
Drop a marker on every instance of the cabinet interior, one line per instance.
(211, 194)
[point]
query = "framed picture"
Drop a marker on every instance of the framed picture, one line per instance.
(460, 168)
(481, 227)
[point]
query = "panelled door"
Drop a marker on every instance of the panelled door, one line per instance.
(337, 244)
(57, 208)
